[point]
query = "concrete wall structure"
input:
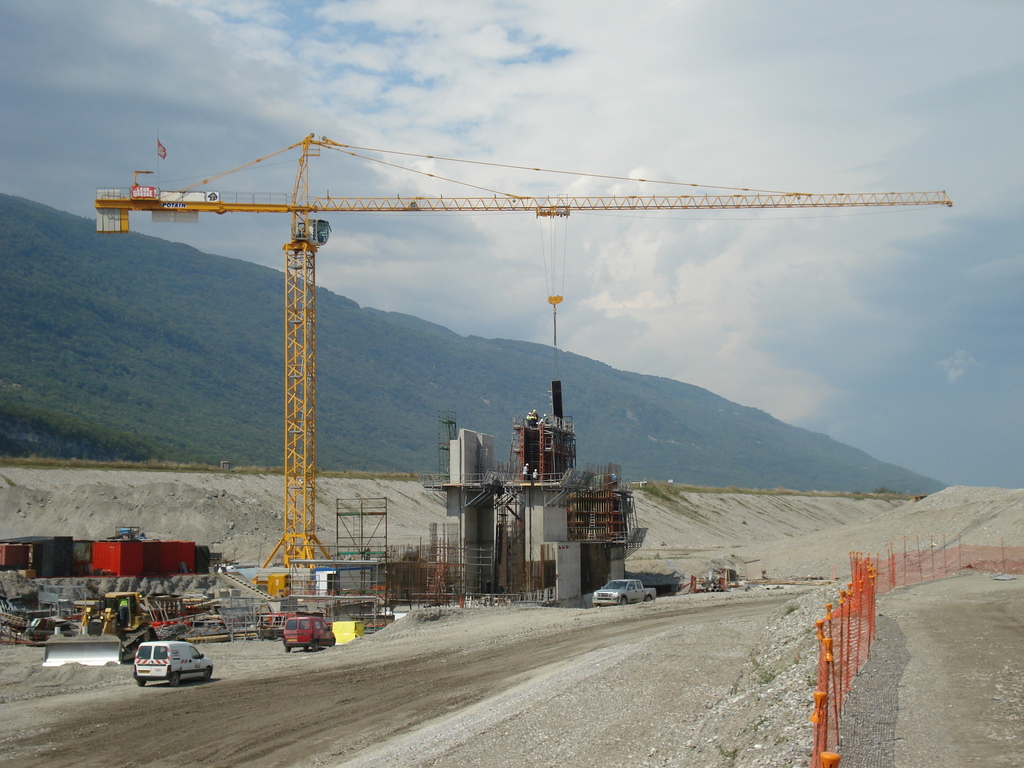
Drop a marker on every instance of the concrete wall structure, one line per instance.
(472, 460)
(526, 518)
(567, 572)
(472, 456)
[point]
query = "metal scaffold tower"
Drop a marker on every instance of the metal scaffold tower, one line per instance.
(351, 582)
(361, 557)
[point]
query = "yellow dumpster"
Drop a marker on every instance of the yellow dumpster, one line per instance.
(344, 631)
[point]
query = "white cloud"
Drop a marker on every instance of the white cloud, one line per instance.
(956, 365)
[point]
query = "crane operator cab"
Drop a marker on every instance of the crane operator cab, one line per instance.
(318, 231)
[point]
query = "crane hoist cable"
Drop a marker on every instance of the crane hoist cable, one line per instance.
(553, 254)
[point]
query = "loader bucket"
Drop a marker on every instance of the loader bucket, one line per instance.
(92, 651)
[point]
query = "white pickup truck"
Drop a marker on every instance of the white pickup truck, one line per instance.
(622, 591)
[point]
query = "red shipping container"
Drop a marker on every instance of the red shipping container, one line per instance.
(187, 555)
(101, 557)
(118, 558)
(151, 558)
(168, 557)
(174, 553)
(14, 557)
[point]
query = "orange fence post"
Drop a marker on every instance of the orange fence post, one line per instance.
(844, 651)
(820, 720)
(873, 580)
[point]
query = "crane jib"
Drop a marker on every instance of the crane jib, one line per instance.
(542, 206)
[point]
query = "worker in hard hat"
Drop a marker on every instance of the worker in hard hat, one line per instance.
(124, 612)
(531, 419)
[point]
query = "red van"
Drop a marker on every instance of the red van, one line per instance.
(309, 632)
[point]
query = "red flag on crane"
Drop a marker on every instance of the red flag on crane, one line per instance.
(161, 149)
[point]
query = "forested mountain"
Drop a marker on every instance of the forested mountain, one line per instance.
(136, 348)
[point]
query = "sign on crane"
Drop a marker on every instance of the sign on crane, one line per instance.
(299, 540)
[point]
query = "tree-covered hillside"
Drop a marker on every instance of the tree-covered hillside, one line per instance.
(126, 346)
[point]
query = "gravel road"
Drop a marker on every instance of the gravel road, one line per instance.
(632, 685)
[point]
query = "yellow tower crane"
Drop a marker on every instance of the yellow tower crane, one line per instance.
(299, 540)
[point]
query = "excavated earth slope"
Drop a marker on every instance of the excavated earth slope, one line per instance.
(239, 514)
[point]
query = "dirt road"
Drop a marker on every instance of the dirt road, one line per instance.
(545, 686)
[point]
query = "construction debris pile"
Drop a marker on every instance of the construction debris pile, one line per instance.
(63, 610)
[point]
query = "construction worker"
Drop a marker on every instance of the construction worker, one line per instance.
(124, 612)
(531, 419)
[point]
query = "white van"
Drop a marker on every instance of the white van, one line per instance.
(170, 660)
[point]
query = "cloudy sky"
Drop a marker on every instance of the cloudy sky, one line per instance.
(898, 331)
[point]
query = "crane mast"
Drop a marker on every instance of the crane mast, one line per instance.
(299, 540)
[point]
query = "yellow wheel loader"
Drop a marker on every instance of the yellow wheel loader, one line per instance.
(112, 628)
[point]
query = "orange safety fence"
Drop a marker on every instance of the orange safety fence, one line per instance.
(846, 632)
(918, 561)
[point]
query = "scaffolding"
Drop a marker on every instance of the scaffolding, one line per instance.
(241, 616)
(510, 547)
(543, 449)
(60, 600)
(361, 529)
(446, 562)
(435, 573)
(351, 584)
(602, 511)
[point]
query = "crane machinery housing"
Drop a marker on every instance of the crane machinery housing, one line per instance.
(308, 233)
